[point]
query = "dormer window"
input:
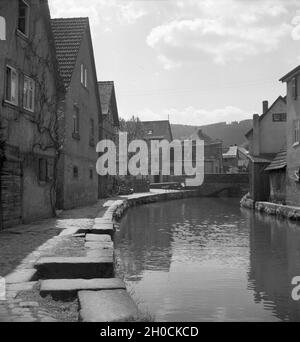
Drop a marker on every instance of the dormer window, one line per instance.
(23, 18)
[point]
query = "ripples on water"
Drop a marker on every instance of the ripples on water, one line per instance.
(208, 260)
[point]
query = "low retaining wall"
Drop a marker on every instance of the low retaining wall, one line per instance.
(152, 198)
(291, 213)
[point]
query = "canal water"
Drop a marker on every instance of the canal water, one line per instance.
(209, 260)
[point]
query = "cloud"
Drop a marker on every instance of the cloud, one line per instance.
(108, 12)
(227, 30)
(196, 117)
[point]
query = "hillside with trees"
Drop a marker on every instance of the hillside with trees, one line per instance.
(230, 133)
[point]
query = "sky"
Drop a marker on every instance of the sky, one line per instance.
(195, 62)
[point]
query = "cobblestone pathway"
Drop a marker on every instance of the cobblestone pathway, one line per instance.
(22, 246)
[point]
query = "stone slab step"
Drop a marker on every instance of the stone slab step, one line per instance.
(67, 289)
(97, 238)
(107, 306)
(21, 276)
(75, 268)
(100, 253)
(99, 245)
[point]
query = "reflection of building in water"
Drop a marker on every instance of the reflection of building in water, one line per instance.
(274, 261)
(144, 249)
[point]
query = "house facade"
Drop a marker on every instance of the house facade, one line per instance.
(158, 130)
(110, 128)
(266, 139)
(235, 160)
(292, 80)
(213, 152)
(31, 91)
(82, 118)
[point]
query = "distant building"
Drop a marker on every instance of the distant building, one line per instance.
(158, 130)
(110, 128)
(277, 176)
(292, 80)
(235, 160)
(266, 139)
(30, 91)
(213, 152)
(80, 127)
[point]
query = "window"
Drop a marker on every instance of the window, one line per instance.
(42, 170)
(28, 95)
(12, 84)
(2, 28)
(296, 131)
(75, 172)
(279, 117)
(295, 88)
(150, 132)
(23, 20)
(76, 122)
(83, 76)
(91, 174)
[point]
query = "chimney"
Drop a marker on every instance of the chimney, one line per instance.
(265, 107)
(256, 135)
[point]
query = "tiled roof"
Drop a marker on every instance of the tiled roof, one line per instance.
(105, 90)
(68, 34)
(157, 130)
(233, 152)
(262, 158)
(279, 162)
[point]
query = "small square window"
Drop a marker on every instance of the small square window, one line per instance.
(23, 18)
(12, 85)
(279, 117)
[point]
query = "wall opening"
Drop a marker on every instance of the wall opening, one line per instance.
(2, 28)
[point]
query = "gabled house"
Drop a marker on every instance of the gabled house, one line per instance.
(31, 91)
(82, 118)
(213, 152)
(158, 130)
(266, 139)
(292, 80)
(110, 128)
(235, 160)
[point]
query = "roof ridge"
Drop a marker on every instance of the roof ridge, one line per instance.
(68, 36)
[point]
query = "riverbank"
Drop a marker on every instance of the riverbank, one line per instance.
(273, 209)
(77, 245)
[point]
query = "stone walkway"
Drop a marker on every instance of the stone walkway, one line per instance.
(22, 246)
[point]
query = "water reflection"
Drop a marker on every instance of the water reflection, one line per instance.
(208, 260)
(274, 261)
